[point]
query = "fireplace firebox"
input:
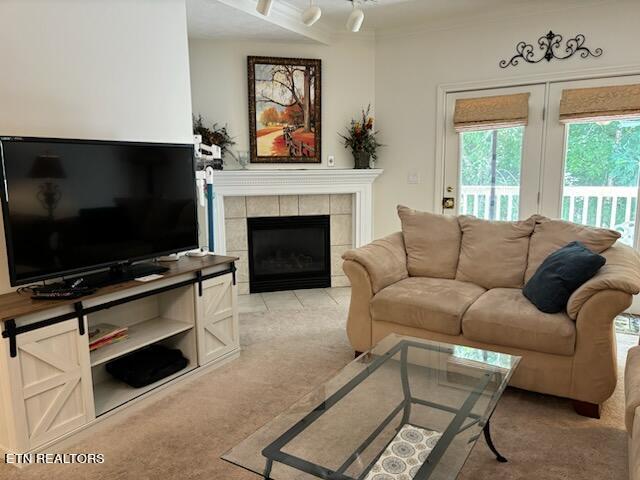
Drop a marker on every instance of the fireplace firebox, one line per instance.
(287, 253)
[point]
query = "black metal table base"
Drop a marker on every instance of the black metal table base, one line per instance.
(267, 470)
(274, 451)
(492, 447)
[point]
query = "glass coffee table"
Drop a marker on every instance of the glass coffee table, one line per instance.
(407, 409)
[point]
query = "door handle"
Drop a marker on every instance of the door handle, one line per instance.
(448, 202)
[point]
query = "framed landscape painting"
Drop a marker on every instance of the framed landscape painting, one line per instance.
(284, 110)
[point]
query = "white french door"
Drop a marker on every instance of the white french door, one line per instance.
(590, 173)
(494, 174)
(584, 172)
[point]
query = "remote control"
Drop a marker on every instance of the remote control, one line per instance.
(61, 294)
(56, 295)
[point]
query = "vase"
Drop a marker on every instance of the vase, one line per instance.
(362, 160)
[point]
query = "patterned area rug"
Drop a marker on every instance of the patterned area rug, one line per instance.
(405, 454)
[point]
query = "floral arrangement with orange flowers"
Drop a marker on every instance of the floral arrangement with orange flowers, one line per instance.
(360, 136)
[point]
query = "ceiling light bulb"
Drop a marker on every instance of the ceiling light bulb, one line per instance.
(311, 15)
(354, 22)
(264, 7)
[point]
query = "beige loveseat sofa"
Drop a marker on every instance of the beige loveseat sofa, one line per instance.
(459, 280)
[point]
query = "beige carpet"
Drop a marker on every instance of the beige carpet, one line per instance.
(285, 354)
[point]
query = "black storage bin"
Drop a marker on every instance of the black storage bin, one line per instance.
(147, 365)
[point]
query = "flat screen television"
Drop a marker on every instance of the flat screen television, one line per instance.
(71, 206)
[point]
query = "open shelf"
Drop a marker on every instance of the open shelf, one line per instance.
(111, 393)
(140, 335)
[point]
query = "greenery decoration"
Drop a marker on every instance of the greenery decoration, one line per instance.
(216, 135)
(360, 136)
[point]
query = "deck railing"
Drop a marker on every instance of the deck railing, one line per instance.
(608, 207)
(475, 201)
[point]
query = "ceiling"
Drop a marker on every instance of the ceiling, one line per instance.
(393, 14)
(214, 20)
(227, 19)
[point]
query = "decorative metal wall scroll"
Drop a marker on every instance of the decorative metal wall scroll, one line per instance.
(550, 43)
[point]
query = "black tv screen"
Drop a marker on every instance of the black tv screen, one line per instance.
(75, 205)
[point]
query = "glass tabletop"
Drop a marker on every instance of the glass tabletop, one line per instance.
(408, 409)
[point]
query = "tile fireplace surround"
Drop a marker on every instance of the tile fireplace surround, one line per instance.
(345, 195)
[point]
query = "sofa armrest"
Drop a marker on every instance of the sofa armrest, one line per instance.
(385, 260)
(621, 272)
(595, 367)
(632, 387)
(359, 328)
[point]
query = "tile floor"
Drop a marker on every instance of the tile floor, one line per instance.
(294, 299)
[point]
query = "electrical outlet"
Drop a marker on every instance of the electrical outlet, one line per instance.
(331, 161)
(413, 178)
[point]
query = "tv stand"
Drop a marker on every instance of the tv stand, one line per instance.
(122, 272)
(51, 384)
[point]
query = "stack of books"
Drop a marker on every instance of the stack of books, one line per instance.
(105, 334)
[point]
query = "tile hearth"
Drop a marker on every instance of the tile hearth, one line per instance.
(294, 300)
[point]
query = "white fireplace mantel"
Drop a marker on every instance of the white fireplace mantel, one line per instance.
(298, 182)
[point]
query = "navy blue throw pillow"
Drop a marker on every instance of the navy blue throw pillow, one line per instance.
(560, 275)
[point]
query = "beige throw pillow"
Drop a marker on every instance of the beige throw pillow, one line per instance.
(432, 242)
(550, 235)
(494, 254)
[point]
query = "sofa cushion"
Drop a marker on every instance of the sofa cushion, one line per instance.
(493, 254)
(550, 235)
(560, 275)
(432, 242)
(503, 316)
(435, 304)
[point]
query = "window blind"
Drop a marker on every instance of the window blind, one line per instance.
(486, 113)
(600, 103)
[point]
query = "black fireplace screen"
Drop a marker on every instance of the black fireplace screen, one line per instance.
(287, 253)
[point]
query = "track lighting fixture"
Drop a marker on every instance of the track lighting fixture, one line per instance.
(264, 7)
(354, 22)
(311, 14)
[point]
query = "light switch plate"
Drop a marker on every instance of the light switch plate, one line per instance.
(331, 161)
(413, 178)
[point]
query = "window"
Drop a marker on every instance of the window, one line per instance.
(600, 185)
(566, 149)
(490, 172)
(493, 149)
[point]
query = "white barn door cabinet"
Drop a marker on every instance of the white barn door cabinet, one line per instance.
(52, 386)
(217, 315)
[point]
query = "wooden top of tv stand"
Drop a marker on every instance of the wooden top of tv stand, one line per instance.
(14, 305)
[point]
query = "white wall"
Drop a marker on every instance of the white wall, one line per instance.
(219, 86)
(97, 69)
(410, 67)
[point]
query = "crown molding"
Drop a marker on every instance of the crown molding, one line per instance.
(365, 35)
